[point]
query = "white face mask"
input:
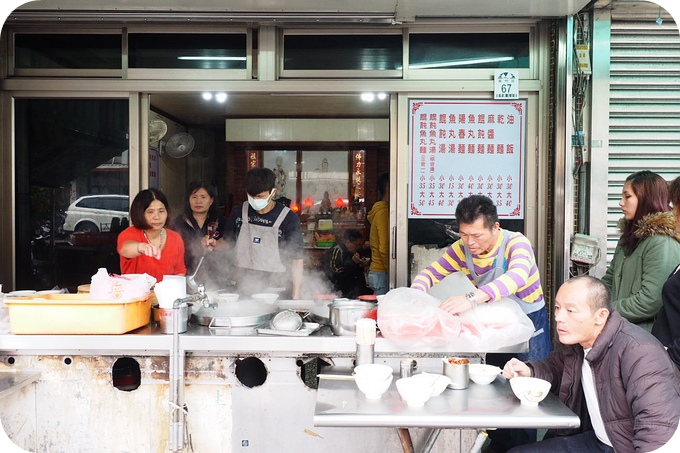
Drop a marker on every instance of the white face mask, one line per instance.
(259, 204)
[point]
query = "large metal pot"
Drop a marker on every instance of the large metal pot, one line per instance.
(237, 314)
(344, 315)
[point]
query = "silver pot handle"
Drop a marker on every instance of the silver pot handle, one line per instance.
(212, 320)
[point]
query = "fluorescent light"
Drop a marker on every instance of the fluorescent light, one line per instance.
(207, 96)
(446, 64)
(186, 57)
(382, 96)
(221, 97)
(367, 97)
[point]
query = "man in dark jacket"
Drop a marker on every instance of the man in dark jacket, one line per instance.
(344, 265)
(615, 375)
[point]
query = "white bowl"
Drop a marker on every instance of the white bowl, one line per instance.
(438, 382)
(373, 379)
(268, 298)
(530, 390)
(226, 297)
(415, 390)
(483, 374)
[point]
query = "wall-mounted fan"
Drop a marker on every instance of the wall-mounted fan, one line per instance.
(157, 130)
(179, 145)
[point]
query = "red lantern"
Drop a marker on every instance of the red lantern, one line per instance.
(294, 207)
(339, 203)
(308, 202)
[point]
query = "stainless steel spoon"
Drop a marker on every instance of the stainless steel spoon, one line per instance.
(190, 280)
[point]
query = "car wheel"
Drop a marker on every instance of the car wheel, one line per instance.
(87, 227)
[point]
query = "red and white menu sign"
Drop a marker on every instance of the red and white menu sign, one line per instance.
(461, 148)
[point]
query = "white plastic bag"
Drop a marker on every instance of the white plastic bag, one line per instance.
(106, 286)
(411, 317)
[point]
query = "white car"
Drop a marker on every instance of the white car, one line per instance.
(95, 213)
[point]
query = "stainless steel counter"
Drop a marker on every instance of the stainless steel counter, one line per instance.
(12, 381)
(201, 340)
(339, 403)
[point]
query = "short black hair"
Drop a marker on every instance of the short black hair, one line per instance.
(193, 187)
(352, 235)
(475, 206)
(140, 204)
(259, 180)
(383, 181)
(598, 295)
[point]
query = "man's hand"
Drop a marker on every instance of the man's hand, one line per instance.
(516, 367)
(456, 304)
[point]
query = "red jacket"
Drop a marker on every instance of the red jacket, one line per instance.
(638, 387)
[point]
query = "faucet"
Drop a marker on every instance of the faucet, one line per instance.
(200, 296)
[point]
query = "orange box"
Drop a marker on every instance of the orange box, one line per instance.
(72, 314)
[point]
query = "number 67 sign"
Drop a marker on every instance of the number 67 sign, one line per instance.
(506, 84)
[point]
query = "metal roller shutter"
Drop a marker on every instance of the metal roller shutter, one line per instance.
(644, 107)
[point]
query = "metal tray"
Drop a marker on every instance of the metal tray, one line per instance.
(307, 329)
(236, 314)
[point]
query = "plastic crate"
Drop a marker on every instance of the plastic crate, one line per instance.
(76, 314)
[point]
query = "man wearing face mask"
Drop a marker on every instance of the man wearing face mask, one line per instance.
(267, 239)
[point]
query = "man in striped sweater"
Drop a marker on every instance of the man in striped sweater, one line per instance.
(501, 264)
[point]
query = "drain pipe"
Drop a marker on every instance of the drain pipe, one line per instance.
(177, 373)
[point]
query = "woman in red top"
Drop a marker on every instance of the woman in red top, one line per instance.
(148, 246)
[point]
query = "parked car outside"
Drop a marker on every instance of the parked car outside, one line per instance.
(95, 213)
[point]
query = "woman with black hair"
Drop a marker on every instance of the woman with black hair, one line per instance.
(200, 225)
(148, 246)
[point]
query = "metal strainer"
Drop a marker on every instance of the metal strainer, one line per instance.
(287, 320)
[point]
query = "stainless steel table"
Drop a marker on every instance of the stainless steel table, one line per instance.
(339, 403)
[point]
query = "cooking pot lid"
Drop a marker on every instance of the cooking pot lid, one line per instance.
(238, 314)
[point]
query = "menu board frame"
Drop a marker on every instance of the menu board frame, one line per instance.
(463, 147)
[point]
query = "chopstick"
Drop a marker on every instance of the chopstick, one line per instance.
(336, 377)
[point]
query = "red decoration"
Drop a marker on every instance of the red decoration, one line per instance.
(339, 203)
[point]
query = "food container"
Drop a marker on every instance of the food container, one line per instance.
(456, 369)
(345, 314)
(163, 317)
(76, 314)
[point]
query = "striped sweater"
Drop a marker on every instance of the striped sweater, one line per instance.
(521, 277)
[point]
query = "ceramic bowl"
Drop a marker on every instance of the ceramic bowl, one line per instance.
(438, 382)
(530, 390)
(373, 379)
(415, 390)
(268, 298)
(226, 297)
(483, 374)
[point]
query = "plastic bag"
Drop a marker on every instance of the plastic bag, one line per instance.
(411, 317)
(105, 286)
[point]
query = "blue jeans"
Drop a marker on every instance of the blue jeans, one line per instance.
(378, 282)
(578, 443)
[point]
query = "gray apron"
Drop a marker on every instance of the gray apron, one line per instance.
(498, 270)
(257, 246)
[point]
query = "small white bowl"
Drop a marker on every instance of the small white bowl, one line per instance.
(226, 297)
(268, 298)
(373, 379)
(529, 390)
(415, 391)
(438, 382)
(483, 374)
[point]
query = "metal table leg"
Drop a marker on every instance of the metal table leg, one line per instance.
(431, 436)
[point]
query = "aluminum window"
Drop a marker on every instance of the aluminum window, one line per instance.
(67, 51)
(188, 51)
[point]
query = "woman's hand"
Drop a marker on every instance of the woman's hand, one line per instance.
(516, 367)
(144, 248)
(208, 242)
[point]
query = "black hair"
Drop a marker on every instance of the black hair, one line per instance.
(197, 185)
(140, 204)
(475, 206)
(383, 181)
(352, 235)
(259, 180)
(598, 295)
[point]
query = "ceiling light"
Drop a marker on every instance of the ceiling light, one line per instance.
(367, 97)
(207, 96)
(221, 97)
(205, 58)
(382, 96)
(446, 64)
